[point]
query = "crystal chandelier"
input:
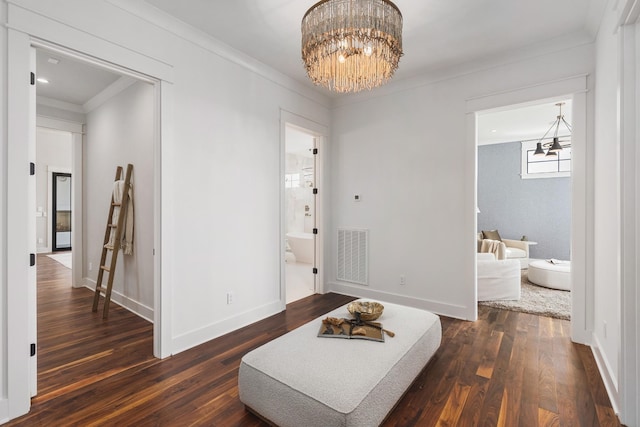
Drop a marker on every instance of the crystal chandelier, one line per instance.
(555, 145)
(351, 45)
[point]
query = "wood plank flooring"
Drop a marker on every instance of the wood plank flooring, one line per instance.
(506, 369)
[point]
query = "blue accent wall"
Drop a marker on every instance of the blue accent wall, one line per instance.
(538, 208)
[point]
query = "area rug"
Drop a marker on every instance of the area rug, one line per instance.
(538, 300)
(63, 258)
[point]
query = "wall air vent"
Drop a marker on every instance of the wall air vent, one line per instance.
(353, 255)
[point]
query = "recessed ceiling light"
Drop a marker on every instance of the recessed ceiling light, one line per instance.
(53, 61)
(42, 80)
(494, 130)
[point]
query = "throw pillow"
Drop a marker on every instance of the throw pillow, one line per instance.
(491, 234)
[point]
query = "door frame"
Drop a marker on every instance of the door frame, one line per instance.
(581, 187)
(29, 30)
(320, 134)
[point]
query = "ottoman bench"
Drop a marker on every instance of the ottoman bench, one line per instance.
(550, 275)
(300, 379)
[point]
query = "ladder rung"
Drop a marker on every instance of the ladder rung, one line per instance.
(116, 204)
(101, 289)
(113, 225)
(105, 268)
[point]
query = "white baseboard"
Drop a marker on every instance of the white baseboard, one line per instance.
(132, 305)
(607, 374)
(4, 411)
(217, 329)
(449, 310)
(42, 250)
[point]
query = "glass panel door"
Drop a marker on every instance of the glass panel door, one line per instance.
(61, 204)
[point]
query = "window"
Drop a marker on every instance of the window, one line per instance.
(292, 180)
(545, 166)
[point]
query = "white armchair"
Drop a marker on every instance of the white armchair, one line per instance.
(514, 249)
(517, 249)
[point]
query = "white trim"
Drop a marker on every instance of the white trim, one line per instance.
(17, 271)
(77, 242)
(607, 374)
(571, 41)
(123, 301)
(52, 35)
(199, 38)
(360, 291)
(629, 105)
(581, 199)
(201, 335)
(109, 92)
(60, 105)
(320, 132)
(163, 234)
(57, 124)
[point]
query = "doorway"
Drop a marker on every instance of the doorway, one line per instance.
(575, 88)
(71, 88)
(300, 190)
(524, 200)
(61, 212)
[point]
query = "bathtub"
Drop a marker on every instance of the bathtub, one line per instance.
(301, 245)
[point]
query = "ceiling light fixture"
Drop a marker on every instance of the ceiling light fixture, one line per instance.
(351, 45)
(42, 80)
(555, 144)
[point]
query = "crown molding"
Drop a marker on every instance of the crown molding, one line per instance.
(163, 20)
(61, 105)
(107, 93)
(460, 70)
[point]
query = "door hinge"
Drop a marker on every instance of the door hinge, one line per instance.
(33, 79)
(32, 168)
(315, 151)
(32, 260)
(315, 191)
(32, 349)
(315, 270)
(315, 231)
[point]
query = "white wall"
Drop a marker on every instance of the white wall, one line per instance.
(53, 149)
(410, 158)
(220, 154)
(119, 132)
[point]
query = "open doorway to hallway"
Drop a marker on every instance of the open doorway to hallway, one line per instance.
(106, 119)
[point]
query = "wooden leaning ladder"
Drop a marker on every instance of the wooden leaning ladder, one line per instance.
(118, 227)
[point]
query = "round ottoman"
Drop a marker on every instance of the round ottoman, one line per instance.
(555, 276)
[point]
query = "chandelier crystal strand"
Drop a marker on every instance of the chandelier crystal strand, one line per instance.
(351, 45)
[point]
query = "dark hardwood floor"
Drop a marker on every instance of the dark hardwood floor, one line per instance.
(507, 369)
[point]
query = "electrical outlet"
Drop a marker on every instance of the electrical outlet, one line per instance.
(403, 280)
(90, 266)
(604, 328)
(229, 297)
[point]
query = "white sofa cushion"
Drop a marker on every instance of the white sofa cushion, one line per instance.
(515, 253)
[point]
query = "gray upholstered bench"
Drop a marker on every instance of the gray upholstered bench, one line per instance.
(299, 379)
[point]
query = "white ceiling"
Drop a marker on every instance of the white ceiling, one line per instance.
(521, 123)
(70, 80)
(437, 34)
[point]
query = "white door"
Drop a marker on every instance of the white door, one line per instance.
(31, 206)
